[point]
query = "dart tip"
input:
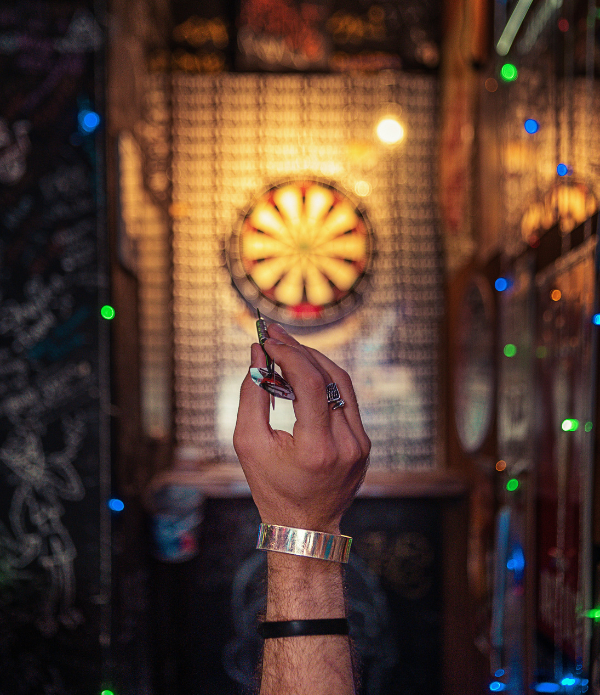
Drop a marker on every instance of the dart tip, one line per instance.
(258, 314)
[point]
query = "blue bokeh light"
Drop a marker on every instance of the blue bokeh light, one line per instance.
(501, 284)
(496, 686)
(546, 687)
(116, 505)
(562, 169)
(88, 120)
(499, 673)
(531, 126)
(596, 319)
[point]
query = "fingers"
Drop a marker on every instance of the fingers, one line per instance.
(344, 384)
(253, 412)
(332, 372)
(310, 404)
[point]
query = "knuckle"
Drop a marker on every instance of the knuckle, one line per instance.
(351, 451)
(314, 383)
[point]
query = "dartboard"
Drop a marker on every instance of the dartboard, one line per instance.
(302, 253)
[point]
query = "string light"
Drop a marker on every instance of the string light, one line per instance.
(116, 505)
(88, 120)
(531, 126)
(107, 312)
(509, 72)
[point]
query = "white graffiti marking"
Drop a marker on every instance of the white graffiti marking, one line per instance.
(41, 480)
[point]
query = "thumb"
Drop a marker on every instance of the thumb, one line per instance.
(253, 412)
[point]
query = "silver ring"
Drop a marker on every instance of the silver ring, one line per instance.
(333, 396)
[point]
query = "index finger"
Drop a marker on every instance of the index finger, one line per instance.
(310, 404)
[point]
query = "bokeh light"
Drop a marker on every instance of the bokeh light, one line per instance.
(512, 485)
(510, 350)
(501, 465)
(107, 312)
(88, 120)
(389, 131)
(491, 84)
(562, 169)
(531, 126)
(509, 72)
(501, 284)
(555, 295)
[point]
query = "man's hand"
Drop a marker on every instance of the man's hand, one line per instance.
(305, 480)
(308, 479)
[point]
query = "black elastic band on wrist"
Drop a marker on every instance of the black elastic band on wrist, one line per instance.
(304, 628)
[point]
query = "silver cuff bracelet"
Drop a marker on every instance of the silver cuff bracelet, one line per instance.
(298, 541)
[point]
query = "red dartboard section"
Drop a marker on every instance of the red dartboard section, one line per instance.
(304, 248)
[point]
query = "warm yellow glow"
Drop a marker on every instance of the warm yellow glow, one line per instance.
(389, 131)
(501, 465)
(362, 188)
(555, 295)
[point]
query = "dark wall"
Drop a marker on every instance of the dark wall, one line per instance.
(54, 459)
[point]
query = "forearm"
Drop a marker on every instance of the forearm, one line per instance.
(302, 589)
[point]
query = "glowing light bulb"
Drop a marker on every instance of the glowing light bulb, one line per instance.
(509, 72)
(116, 505)
(88, 120)
(107, 312)
(531, 126)
(389, 131)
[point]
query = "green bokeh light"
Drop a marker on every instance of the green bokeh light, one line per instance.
(541, 352)
(588, 426)
(570, 425)
(509, 72)
(510, 350)
(107, 312)
(107, 692)
(512, 485)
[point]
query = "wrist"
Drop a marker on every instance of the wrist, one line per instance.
(302, 588)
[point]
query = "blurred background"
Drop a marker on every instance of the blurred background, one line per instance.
(411, 188)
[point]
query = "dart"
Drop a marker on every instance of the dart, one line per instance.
(268, 379)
